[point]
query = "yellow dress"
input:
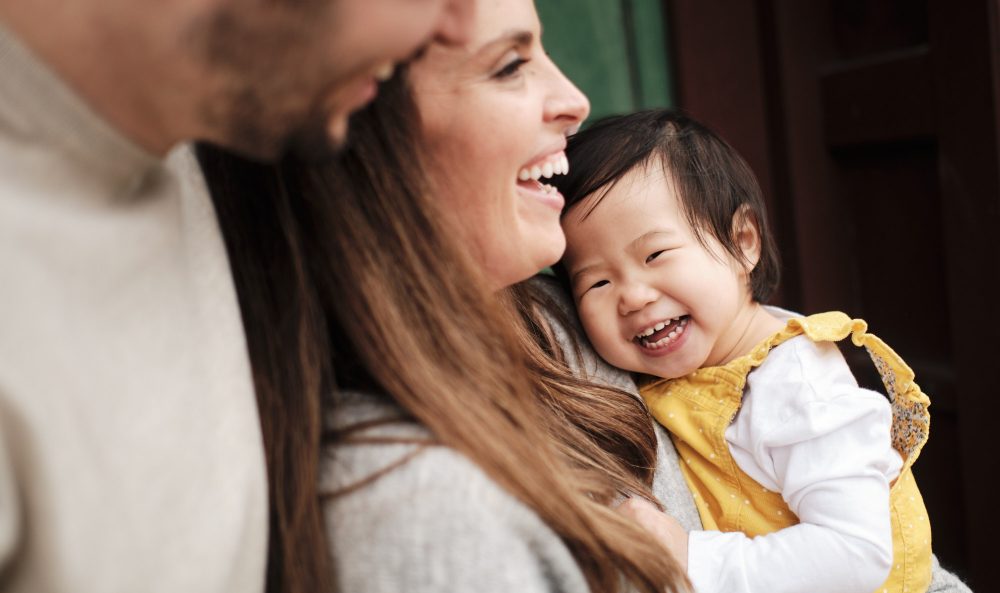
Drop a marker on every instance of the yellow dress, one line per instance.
(698, 408)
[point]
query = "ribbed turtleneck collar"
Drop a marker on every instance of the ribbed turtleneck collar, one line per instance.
(37, 106)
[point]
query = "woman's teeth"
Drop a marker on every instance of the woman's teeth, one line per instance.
(557, 166)
(676, 326)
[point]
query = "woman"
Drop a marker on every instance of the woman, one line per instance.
(459, 451)
(451, 460)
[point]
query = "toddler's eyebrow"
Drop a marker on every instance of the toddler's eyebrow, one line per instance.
(638, 241)
(576, 275)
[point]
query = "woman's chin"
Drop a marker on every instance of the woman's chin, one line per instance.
(552, 252)
(531, 263)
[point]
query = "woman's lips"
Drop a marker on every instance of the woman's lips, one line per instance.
(553, 164)
(544, 193)
(530, 178)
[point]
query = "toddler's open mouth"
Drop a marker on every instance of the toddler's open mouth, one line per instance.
(662, 334)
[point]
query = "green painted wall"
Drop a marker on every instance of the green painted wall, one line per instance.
(614, 50)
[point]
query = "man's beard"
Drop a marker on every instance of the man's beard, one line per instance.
(272, 94)
(266, 136)
(312, 141)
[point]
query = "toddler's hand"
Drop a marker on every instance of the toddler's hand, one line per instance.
(662, 526)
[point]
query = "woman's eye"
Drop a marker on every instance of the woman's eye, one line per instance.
(653, 256)
(511, 68)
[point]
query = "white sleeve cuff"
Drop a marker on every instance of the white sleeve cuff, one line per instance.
(715, 562)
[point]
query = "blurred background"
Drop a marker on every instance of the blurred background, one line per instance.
(873, 129)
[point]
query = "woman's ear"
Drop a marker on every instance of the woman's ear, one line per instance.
(746, 236)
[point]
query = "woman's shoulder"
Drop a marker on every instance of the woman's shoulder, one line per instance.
(376, 444)
(416, 479)
(380, 447)
(403, 513)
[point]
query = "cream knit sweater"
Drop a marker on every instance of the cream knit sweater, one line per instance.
(130, 453)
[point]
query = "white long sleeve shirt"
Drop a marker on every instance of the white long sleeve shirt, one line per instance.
(807, 430)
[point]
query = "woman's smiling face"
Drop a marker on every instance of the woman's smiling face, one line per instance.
(495, 113)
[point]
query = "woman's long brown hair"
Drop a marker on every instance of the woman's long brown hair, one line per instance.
(347, 279)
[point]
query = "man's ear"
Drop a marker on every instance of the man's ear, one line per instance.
(746, 235)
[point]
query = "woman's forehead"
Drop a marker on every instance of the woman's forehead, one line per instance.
(496, 17)
(497, 26)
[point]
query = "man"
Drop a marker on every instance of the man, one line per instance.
(130, 452)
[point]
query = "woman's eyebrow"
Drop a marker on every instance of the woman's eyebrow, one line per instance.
(518, 37)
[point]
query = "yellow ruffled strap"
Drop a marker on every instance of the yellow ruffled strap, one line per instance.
(833, 326)
(911, 420)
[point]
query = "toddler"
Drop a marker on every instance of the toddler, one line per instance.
(802, 478)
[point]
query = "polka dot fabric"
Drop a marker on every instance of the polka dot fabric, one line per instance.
(698, 408)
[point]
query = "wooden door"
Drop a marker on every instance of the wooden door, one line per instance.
(873, 126)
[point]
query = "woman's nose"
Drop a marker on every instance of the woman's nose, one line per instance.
(566, 104)
(634, 297)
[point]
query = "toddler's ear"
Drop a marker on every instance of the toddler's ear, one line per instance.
(746, 236)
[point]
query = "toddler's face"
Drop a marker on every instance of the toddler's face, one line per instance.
(651, 297)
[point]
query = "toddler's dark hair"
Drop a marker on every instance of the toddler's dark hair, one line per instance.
(713, 182)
